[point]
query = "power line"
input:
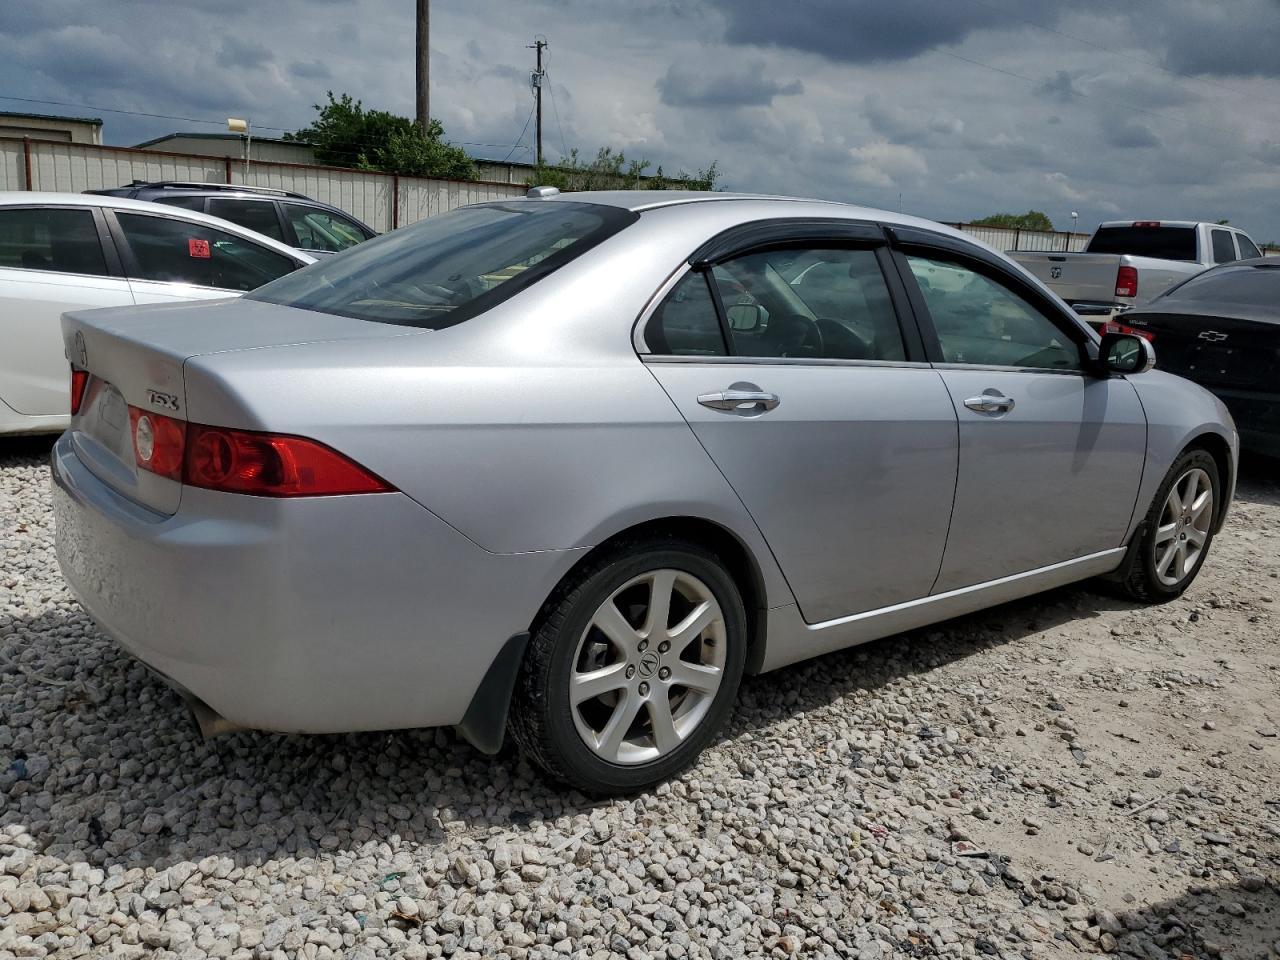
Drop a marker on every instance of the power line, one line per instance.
(135, 113)
(1127, 56)
(564, 148)
(523, 131)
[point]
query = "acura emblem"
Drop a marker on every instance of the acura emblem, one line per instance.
(1213, 336)
(1055, 273)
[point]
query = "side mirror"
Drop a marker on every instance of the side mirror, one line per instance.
(1126, 353)
(743, 316)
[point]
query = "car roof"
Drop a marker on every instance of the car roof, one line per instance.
(40, 198)
(641, 200)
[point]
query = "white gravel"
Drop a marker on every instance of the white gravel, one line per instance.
(1069, 775)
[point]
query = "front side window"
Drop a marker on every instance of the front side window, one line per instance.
(41, 238)
(256, 215)
(983, 322)
(1224, 250)
(445, 269)
(818, 303)
(685, 323)
(179, 251)
(322, 230)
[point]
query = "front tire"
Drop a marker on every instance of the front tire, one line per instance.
(633, 668)
(1177, 531)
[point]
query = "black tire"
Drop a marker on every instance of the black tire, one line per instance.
(1138, 579)
(542, 721)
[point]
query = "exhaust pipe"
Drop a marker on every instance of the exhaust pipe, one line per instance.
(209, 721)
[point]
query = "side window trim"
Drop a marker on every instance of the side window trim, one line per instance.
(918, 242)
(722, 316)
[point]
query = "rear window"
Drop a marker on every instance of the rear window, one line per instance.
(445, 269)
(1256, 286)
(1163, 243)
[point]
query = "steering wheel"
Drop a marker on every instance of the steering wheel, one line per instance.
(844, 344)
(795, 335)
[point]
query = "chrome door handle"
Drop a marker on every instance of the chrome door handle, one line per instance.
(990, 403)
(739, 400)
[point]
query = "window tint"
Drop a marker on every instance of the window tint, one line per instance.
(821, 303)
(179, 251)
(257, 215)
(321, 230)
(1256, 286)
(1163, 243)
(981, 321)
(685, 323)
(444, 269)
(65, 241)
(1247, 248)
(1224, 250)
(187, 202)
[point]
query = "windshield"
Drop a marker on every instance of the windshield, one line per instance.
(442, 270)
(1162, 243)
(1257, 286)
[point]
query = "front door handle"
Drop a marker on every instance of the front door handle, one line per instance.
(745, 400)
(990, 401)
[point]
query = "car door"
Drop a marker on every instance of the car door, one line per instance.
(52, 259)
(1051, 455)
(808, 388)
(169, 259)
(320, 231)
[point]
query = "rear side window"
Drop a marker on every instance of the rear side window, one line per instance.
(445, 269)
(256, 215)
(64, 241)
(178, 251)
(1163, 243)
(1224, 251)
(1247, 248)
(322, 230)
(685, 323)
(187, 202)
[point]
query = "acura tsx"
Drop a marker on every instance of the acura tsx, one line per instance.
(568, 466)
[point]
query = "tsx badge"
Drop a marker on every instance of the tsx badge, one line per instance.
(166, 401)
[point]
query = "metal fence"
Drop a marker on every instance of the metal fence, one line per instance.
(1012, 238)
(383, 201)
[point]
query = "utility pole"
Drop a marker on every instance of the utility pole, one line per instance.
(424, 66)
(539, 44)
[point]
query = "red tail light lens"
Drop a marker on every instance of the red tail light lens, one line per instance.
(245, 461)
(1112, 327)
(158, 442)
(79, 380)
(266, 465)
(1127, 282)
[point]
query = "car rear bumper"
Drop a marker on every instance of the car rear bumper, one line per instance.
(314, 615)
(1257, 417)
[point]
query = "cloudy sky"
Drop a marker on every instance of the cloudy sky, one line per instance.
(950, 108)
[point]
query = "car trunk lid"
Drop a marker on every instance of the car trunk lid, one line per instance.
(135, 358)
(1214, 351)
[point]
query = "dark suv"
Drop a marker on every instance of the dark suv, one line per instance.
(291, 218)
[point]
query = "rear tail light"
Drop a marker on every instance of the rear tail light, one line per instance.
(245, 461)
(1127, 282)
(79, 380)
(1112, 327)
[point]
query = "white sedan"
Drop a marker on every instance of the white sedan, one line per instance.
(65, 251)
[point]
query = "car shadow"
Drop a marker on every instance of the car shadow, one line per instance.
(99, 761)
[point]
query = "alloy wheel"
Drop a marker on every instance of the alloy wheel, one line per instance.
(1183, 530)
(647, 667)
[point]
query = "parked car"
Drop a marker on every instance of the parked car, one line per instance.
(65, 251)
(291, 218)
(579, 462)
(1130, 262)
(1221, 329)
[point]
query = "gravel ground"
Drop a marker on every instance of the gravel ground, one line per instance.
(1065, 775)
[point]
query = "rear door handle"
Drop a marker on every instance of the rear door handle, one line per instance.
(739, 400)
(989, 401)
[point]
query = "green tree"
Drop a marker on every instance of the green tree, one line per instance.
(612, 170)
(1031, 220)
(345, 134)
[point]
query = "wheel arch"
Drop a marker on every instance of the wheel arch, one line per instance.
(1217, 447)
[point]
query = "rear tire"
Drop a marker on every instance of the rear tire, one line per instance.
(599, 703)
(1177, 532)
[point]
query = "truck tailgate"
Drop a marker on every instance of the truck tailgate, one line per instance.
(1075, 277)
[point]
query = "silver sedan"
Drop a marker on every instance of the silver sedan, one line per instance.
(569, 466)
